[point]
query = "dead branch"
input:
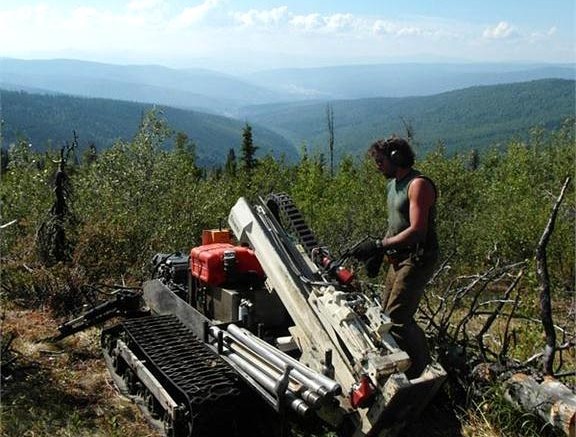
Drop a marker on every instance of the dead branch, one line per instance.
(565, 346)
(10, 223)
(506, 343)
(495, 313)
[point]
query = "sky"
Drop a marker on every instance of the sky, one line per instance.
(252, 35)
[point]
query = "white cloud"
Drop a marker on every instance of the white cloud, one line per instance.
(537, 37)
(85, 16)
(163, 29)
(307, 23)
(341, 23)
(193, 15)
(333, 23)
(23, 15)
(389, 28)
(267, 18)
(383, 27)
(502, 30)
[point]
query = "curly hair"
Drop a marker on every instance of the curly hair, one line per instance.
(396, 149)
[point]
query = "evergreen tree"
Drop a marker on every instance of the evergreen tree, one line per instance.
(330, 120)
(248, 149)
(473, 159)
(90, 155)
(4, 160)
(231, 165)
(185, 153)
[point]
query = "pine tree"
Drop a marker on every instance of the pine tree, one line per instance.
(248, 158)
(90, 155)
(231, 165)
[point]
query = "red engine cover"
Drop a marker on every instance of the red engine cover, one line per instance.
(207, 262)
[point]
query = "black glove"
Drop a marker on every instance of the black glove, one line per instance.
(367, 249)
(374, 263)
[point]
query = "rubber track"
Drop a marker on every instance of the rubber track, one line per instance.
(187, 368)
(292, 218)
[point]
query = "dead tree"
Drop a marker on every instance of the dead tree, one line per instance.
(330, 120)
(544, 286)
(52, 242)
(461, 320)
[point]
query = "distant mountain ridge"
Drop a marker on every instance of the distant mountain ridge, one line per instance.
(471, 118)
(475, 117)
(198, 89)
(49, 121)
(402, 80)
(225, 94)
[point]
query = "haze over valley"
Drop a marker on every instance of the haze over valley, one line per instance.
(462, 106)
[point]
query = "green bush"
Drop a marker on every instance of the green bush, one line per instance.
(136, 198)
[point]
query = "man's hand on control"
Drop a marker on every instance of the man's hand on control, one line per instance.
(367, 249)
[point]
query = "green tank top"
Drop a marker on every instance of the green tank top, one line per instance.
(398, 210)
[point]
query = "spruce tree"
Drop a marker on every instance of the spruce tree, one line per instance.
(231, 165)
(248, 158)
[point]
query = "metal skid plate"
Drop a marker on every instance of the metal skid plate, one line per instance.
(401, 400)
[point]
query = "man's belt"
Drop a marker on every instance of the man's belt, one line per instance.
(396, 256)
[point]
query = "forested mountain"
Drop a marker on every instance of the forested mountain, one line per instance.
(50, 120)
(475, 117)
(223, 93)
(472, 118)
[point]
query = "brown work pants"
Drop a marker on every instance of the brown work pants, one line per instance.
(404, 288)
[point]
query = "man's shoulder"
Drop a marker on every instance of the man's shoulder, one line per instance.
(417, 175)
(423, 182)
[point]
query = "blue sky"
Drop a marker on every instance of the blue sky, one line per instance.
(242, 34)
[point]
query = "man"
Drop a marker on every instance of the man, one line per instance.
(410, 245)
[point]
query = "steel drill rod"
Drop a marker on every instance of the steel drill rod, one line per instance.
(261, 363)
(302, 390)
(295, 403)
(324, 383)
(278, 358)
(274, 366)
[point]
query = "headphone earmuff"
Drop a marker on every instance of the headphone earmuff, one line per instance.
(396, 157)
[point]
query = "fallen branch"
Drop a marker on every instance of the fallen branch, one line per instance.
(492, 318)
(5, 225)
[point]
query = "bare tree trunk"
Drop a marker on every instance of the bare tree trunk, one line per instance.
(544, 286)
(330, 120)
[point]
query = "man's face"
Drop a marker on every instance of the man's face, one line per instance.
(385, 166)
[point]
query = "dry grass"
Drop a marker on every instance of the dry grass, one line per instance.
(64, 390)
(61, 389)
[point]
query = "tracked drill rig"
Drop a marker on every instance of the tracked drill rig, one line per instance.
(263, 316)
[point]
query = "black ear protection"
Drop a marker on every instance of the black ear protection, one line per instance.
(397, 158)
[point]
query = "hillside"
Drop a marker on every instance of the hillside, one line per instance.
(222, 93)
(475, 117)
(50, 120)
